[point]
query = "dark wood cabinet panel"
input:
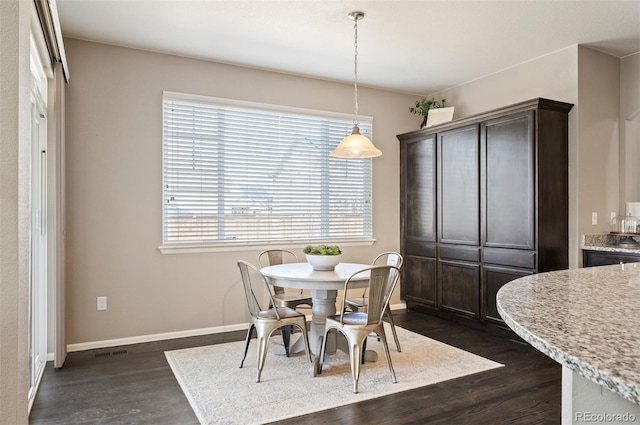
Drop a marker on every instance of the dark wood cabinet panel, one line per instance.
(484, 200)
(419, 280)
(460, 287)
(459, 185)
(419, 195)
(508, 163)
(604, 258)
(493, 279)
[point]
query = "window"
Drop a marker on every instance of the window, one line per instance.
(249, 174)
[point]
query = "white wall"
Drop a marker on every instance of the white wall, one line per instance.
(114, 193)
(15, 147)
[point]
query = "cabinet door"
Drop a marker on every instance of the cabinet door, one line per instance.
(493, 279)
(460, 287)
(458, 193)
(601, 258)
(419, 189)
(508, 187)
(419, 280)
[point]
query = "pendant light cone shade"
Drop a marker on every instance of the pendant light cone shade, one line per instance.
(356, 145)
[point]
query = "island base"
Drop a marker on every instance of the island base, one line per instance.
(584, 401)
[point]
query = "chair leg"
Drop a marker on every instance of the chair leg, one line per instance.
(323, 348)
(364, 349)
(383, 337)
(355, 354)
(263, 342)
(286, 337)
(246, 345)
(393, 328)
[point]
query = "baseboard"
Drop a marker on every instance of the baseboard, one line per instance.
(401, 306)
(169, 335)
(154, 337)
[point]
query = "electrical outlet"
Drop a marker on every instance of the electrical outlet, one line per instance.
(594, 218)
(614, 217)
(102, 303)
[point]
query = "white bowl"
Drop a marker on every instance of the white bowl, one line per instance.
(324, 262)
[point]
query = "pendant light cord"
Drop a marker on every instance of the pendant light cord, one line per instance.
(355, 71)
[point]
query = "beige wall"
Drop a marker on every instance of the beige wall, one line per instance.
(629, 129)
(554, 76)
(114, 192)
(15, 148)
(598, 133)
(114, 172)
(602, 88)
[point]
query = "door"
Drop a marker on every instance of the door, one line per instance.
(494, 278)
(458, 186)
(419, 280)
(508, 161)
(38, 249)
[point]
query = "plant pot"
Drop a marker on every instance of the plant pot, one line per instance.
(323, 262)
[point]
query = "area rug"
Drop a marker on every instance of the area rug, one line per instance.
(221, 393)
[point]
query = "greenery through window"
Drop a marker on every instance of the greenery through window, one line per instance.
(244, 173)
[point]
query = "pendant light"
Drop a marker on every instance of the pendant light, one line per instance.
(356, 145)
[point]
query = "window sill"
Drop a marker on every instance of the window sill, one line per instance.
(252, 246)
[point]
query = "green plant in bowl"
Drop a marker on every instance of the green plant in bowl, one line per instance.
(322, 250)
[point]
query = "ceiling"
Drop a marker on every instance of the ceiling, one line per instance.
(417, 47)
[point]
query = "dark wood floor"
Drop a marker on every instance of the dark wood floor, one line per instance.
(134, 385)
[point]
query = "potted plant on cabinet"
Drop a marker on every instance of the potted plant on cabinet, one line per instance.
(424, 106)
(323, 257)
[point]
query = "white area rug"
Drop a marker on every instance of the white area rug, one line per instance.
(222, 393)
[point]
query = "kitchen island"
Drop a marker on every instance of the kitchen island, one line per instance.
(588, 320)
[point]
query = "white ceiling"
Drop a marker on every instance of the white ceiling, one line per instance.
(415, 47)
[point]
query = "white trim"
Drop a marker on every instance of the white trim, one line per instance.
(247, 246)
(171, 335)
(154, 337)
(400, 306)
(265, 106)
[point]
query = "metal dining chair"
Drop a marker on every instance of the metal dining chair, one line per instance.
(266, 322)
(390, 258)
(280, 296)
(357, 325)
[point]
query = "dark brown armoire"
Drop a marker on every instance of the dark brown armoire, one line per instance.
(484, 200)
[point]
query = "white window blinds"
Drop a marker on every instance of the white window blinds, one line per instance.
(247, 173)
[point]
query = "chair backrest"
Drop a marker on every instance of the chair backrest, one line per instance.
(382, 282)
(390, 258)
(254, 284)
(271, 257)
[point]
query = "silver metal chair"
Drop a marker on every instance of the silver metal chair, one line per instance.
(282, 298)
(390, 258)
(266, 322)
(357, 325)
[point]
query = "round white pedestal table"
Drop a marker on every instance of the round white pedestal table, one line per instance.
(324, 286)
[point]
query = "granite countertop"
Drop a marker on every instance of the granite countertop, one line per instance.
(607, 242)
(585, 319)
